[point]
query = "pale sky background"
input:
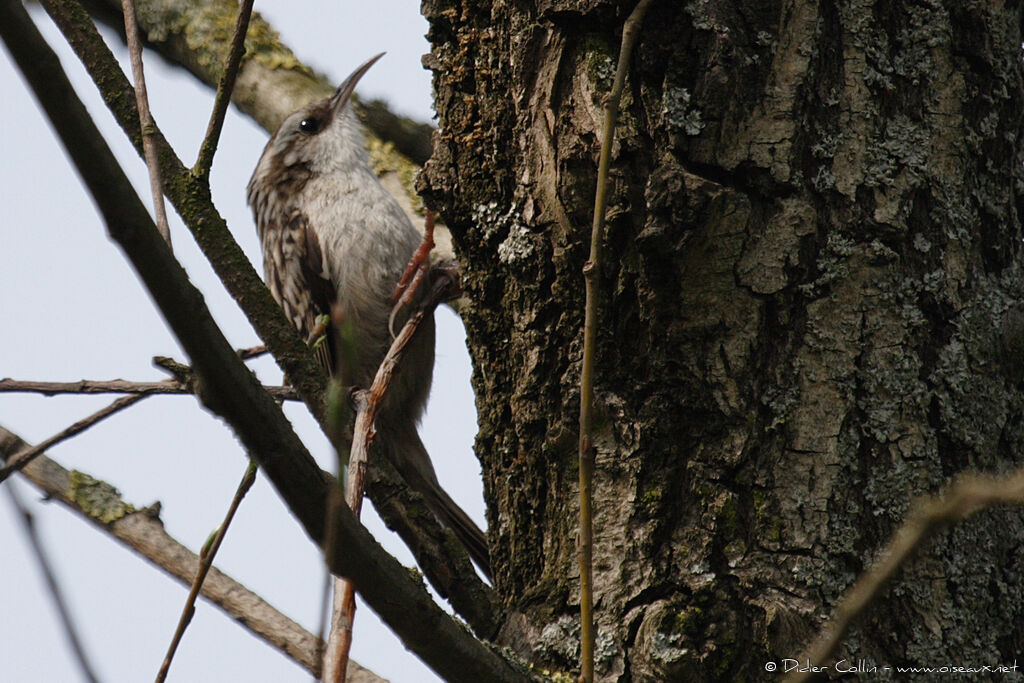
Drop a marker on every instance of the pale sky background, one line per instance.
(72, 308)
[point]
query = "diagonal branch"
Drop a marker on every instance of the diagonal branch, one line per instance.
(206, 556)
(340, 641)
(229, 388)
(224, 89)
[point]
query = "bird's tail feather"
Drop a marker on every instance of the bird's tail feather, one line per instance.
(411, 459)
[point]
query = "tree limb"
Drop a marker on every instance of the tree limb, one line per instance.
(272, 82)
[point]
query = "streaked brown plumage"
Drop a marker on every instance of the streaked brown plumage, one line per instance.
(335, 242)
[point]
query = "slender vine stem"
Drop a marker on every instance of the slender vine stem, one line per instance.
(630, 31)
(340, 641)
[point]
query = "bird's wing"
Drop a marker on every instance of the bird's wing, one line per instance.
(297, 276)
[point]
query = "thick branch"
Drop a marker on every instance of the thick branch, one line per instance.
(229, 389)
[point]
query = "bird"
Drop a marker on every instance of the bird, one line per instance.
(335, 243)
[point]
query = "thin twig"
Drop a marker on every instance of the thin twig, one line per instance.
(119, 386)
(343, 617)
(630, 31)
(970, 494)
(156, 183)
(28, 524)
(224, 89)
(19, 460)
(206, 556)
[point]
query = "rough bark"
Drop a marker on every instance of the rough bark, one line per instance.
(812, 315)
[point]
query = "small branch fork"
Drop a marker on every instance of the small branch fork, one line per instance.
(343, 616)
(968, 495)
(630, 32)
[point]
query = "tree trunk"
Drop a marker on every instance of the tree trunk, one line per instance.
(809, 316)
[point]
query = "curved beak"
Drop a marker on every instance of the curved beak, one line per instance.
(344, 91)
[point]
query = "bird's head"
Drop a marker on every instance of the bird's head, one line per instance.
(322, 137)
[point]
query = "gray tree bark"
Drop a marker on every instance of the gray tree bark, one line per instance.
(811, 314)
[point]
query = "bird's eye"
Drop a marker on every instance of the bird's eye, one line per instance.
(309, 126)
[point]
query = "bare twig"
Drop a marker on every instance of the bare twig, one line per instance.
(969, 494)
(119, 386)
(340, 641)
(230, 389)
(28, 524)
(206, 556)
(19, 460)
(630, 31)
(224, 89)
(156, 183)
